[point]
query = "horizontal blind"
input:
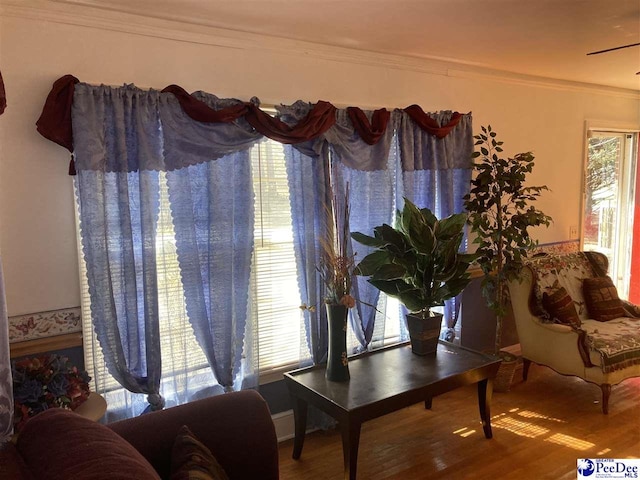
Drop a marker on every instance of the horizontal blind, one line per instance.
(276, 293)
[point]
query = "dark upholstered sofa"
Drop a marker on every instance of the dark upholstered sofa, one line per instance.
(59, 444)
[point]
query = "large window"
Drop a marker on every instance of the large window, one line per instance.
(280, 340)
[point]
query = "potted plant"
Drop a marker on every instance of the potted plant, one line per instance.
(500, 214)
(419, 263)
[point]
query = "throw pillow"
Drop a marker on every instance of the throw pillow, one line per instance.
(560, 306)
(602, 299)
(192, 460)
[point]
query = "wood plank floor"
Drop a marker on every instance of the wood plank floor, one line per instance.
(540, 428)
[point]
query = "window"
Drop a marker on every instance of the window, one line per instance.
(280, 343)
(609, 199)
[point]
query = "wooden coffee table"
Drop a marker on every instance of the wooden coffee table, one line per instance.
(385, 381)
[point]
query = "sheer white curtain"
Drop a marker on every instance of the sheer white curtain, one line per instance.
(6, 384)
(186, 374)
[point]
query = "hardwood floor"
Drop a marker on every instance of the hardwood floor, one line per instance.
(540, 428)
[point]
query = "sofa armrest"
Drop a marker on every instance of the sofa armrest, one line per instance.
(236, 427)
(554, 327)
(555, 345)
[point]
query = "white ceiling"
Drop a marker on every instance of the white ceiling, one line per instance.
(548, 38)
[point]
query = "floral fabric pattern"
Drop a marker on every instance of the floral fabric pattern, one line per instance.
(616, 342)
(558, 248)
(554, 271)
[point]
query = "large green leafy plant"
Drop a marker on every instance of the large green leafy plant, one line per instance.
(418, 261)
(500, 214)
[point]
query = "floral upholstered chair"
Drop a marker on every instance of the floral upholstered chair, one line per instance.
(569, 317)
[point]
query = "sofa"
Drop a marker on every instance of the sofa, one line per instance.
(235, 427)
(569, 318)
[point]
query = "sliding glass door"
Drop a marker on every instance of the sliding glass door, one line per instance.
(609, 203)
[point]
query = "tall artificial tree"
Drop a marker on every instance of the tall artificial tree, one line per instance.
(500, 214)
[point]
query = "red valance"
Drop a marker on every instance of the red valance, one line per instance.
(428, 124)
(3, 96)
(320, 119)
(369, 132)
(55, 121)
(201, 112)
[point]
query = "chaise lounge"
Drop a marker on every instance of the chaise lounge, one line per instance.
(569, 318)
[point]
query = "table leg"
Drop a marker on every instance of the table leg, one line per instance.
(350, 442)
(485, 390)
(300, 419)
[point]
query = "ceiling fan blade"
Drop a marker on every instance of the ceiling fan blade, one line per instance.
(615, 48)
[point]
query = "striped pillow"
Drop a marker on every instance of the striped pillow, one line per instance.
(192, 460)
(601, 297)
(561, 307)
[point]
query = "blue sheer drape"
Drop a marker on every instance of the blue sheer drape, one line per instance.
(365, 169)
(118, 213)
(406, 161)
(309, 193)
(116, 133)
(212, 207)
(6, 383)
(124, 138)
(436, 173)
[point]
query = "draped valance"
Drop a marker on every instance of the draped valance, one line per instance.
(348, 129)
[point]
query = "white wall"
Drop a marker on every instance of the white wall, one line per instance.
(37, 233)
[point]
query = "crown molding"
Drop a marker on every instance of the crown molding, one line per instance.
(542, 82)
(610, 125)
(72, 13)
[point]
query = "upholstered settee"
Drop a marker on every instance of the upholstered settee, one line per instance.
(595, 336)
(58, 444)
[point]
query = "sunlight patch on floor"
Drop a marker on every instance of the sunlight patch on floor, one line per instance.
(524, 429)
(569, 441)
(514, 422)
(464, 432)
(530, 414)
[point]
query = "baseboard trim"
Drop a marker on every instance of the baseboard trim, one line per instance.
(285, 425)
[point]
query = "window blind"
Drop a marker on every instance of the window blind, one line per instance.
(276, 293)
